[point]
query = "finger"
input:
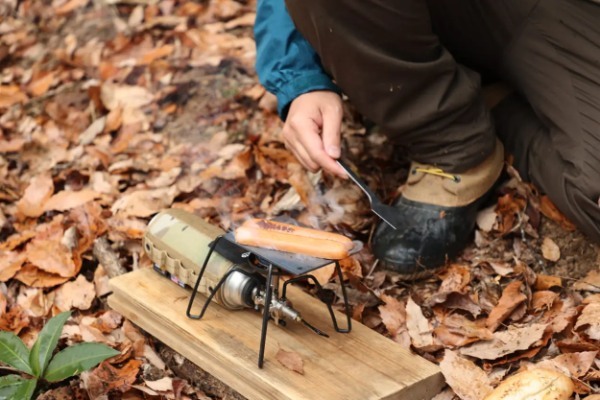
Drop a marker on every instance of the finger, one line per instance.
(301, 155)
(332, 122)
(312, 143)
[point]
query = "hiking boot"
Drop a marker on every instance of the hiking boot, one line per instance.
(435, 216)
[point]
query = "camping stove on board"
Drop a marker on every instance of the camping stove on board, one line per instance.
(196, 254)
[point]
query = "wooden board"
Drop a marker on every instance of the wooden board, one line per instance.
(360, 365)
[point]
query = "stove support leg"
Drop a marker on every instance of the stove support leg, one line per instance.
(266, 315)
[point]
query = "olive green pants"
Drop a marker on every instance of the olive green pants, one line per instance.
(414, 67)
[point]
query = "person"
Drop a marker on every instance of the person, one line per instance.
(414, 68)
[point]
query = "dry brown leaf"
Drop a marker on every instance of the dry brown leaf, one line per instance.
(418, 326)
(324, 274)
(41, 84)
(95, 128)
(590, 283)
(543, 300)
(143, 203)
(511, 298)
(291, 360)
(155, 54)
(550, 250)
(51, 256)
(10, 264)
(461, 325)
(590, 320)
(11, 94)
(40, 189)
(35, 303)
(455, 280)
(115, 96)
(67, 199)
(101, 279)
(162, 385)
(393, 314)
(571, 364)
(467, 380)
(75, 294)
(505, 342)
(70, 6)
(562, 313)
(35, 277)
(486, 219)
(550, 211)
(12, 145)
(14, 320)
(544, 282)
(108, 321)
(106, 377)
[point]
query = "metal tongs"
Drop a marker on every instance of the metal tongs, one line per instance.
(385, 212)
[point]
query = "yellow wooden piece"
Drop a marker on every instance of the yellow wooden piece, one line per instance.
(359, 365)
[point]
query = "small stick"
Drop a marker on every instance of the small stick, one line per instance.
(107, 257)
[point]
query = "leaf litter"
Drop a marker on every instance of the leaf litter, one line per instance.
(110, 112)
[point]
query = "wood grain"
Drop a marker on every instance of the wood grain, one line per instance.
(359, 365)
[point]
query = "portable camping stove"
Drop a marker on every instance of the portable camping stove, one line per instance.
(234, 275)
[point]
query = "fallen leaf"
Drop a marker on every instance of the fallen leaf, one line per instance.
(324, 274)
(570, 364)
(115, 96)
(51, 256)
(590, 320)
(162, 385)
(155, 54)
(101, 279)
(40, 85)
(108, 321)
(35, 303)
(10, 264)
(511, 298)
(70, 6)
(543, 300)
(67, 199)
(455, 280)
(550, 250)
(467, 380)
(75, 294)
(550, 211)
(393, 314)
(35, 277)
(486, 218)
(106, 378)
(505, 342)
(590, 283)
(143, 203)
(40, 189)
(544, 282)
(418, 326)
(291, 360)
(95, 128)
(11, 94)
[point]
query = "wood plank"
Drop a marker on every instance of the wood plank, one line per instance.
(359, 365)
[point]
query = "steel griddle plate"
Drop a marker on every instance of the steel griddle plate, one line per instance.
(295, 264)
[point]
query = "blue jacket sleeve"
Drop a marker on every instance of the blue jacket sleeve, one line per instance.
(286, 64)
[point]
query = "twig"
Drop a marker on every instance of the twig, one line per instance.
(108, 257)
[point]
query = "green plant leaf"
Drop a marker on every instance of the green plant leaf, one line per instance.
(76, 359)
(14, 352)
(25, 391)
(41, 352)
(13, 387)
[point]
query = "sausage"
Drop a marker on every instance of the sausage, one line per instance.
(294, 239)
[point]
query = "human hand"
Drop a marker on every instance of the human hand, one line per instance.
(312, 131)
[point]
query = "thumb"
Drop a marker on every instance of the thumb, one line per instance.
(332, 122)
